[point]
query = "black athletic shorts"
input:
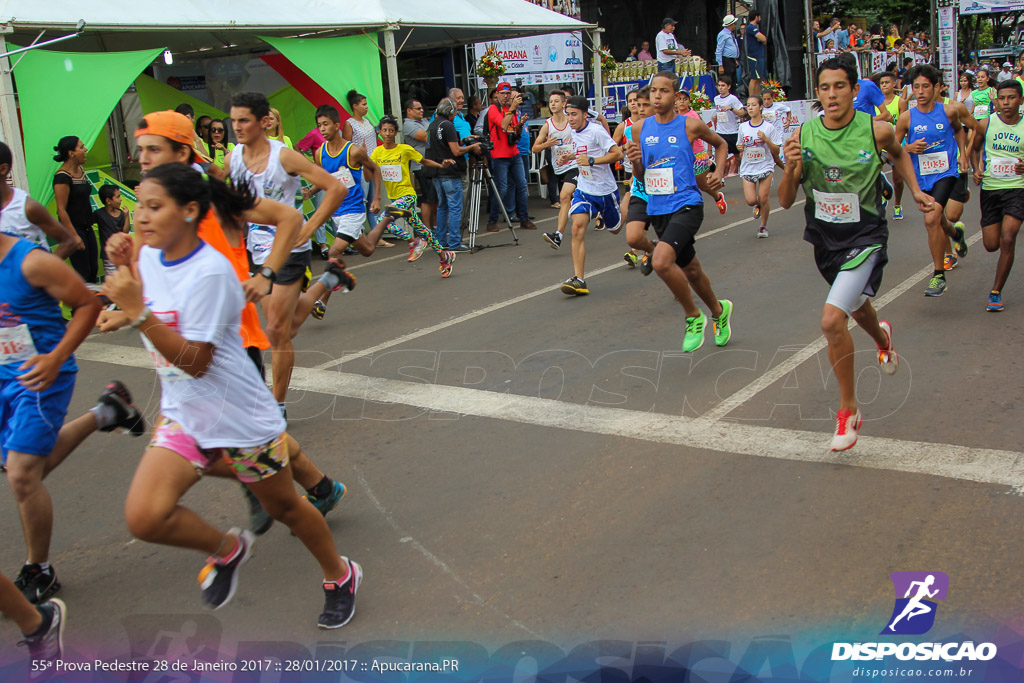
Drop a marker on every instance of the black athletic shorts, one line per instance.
(679, 230)
(636, 211)
(998, 203)
(569, 176)
(942, 190)
(831, 262)
(428, 194)
(731, 139)
(294, 269)
(961, 191)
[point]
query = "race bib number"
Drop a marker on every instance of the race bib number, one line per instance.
(344, 176)
(164, 368)
(16, 345)
(1003, 168)
(260, 242)
(836, 207)
(754, 155)
(564, 154)
(723, 118)
(935, 162)
(392, 173)
(586, 172)
(659, 181)
(981, 111)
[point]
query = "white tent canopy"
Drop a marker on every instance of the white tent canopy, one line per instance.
(214, 27)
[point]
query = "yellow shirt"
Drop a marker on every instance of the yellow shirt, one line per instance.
(394, 169)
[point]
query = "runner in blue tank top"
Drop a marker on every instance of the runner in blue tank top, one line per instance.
(37, 378)
(346, 162)
(662, 156)
(936, 141)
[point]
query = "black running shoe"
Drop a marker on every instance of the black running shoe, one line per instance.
(575, 287)
(47, 644)
(554, 239)
(218, 580)
(337, 267)
(340, 599)
(259, 521)
(392, 212)
(129, 418)
(319, 310)
(646, 265)
(37, 584)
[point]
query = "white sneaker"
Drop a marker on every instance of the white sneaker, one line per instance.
(847, 427)
(887, 357)
(762, 232)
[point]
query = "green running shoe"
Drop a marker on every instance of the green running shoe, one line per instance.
(694, 337)
(960, 242)
(936, 286)
(722, 325)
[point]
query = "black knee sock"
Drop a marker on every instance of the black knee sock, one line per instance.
(940, 273)
(322, 489)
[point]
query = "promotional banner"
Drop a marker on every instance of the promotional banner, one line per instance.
(554, 58)
(987, 6)
(947, 46)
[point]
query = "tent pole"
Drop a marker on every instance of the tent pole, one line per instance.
(391, 56)
(810, 58)
(595, 38)
(10, 128)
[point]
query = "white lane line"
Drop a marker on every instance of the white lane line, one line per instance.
(944, 460)
(434, 559)
(769, 378)
(397, 341)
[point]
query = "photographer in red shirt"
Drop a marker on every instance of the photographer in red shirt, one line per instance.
(504, 128)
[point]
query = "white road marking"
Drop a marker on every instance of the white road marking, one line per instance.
(734, 401)
(983, 465)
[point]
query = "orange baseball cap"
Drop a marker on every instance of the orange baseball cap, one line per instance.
(173, 126)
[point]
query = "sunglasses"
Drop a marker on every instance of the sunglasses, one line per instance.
(217, 130)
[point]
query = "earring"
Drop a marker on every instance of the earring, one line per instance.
(188, 219)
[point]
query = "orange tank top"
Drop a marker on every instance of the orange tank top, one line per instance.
(211, 233)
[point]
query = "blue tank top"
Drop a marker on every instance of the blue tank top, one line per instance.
(668, 166)
(340, 168)
(636, 188)
(30, 319)
(939, 158)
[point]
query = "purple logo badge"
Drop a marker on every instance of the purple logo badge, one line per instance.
(916, 593)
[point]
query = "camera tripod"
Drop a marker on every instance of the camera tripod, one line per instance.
(478, 174)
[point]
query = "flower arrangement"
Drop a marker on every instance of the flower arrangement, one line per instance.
(607, 61)
(490, 64)
(777, 92)
(699, 100)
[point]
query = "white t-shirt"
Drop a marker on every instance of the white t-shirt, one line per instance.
(594, 141)
(14, 220)
(777, 114)
(756, 158)
(725, 118)
(199, 296)
(666, 41)
(563, 154)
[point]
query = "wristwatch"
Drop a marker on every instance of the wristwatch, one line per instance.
(267, 272)
(590, 161)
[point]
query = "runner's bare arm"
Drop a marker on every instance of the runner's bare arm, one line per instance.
(308, 192)
(334, 192)
(359, 156)
(953, 114)
(976, 144)
(620, 132)
(68, 242)
(45, 271)
(793, 171)
(125, 289)
(886, 139)
(697, 129)
(542, 143)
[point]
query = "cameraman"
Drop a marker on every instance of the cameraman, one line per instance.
(443, 143)
(504, 128)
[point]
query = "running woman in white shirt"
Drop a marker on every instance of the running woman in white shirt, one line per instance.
(214, 406)
(758, 142)
(596, 191)
(727, 110)
(776, 113)
(272, 171)
(556, 135)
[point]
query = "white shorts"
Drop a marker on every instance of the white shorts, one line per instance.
(349, 226)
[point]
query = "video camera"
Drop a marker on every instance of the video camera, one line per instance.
(486, 146)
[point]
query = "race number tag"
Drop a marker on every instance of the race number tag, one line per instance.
(935, 162)
(659, 181)
(836, 207)
(16, 345)
(754, 155)
(1003, 168)
(344, 176)
(564, 154)
(586, 172)
(723, 118)
(260, 241)
(981, 111)
(392, 173)
(164, 368)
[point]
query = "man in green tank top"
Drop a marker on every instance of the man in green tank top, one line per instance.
(837, 159)
(996, 152)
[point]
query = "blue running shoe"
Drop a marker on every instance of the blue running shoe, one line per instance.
(995, 302)
(325, 505)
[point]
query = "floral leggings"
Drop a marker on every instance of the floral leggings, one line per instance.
(408, 203)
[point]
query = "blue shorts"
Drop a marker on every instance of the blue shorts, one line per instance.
(29, 420)
(607, 205)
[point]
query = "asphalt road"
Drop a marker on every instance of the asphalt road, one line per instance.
(527, 466)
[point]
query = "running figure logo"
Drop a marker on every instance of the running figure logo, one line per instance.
(914, 612)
